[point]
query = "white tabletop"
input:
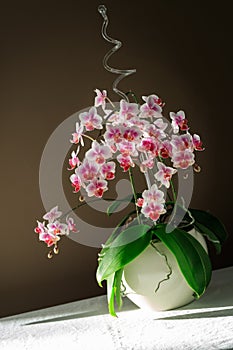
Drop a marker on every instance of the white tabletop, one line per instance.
(86, 324)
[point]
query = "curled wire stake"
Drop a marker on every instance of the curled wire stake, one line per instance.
(122, 72)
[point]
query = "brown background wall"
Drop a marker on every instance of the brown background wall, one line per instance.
(51, 61)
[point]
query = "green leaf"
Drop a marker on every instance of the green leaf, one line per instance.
(110, 294)
(113, 207)
(191, 257)
(130, 199)
(114, 290)
(117, 229)
(117, 287)
(114, 234)
(126, 247)
(210, 235)
(211, 223)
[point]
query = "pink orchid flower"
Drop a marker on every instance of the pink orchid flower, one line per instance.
(100, 98)
(156, 99)
(140, 123)
(164, 174)
(149, 144)
(132, 133)
(197, 143)
(153, 210)
(115, 118)
(127, 148)
(76, 182)
(96, 188)
(147, 164)
(150, 109)
(74, 160)
(49, 238)
(152, 130)
(182, 142)
(77, 136)
(160, 124)
(128, 109)
(108, 170)
(165, 149)
(153, 195)
(91, 120)
(40, 227)
(179, 121)
(183, 159)
(71, 225)
(87, 171)
(58, 228)
(125, 162)
(113, 134)
(98, 153)
(52, 215)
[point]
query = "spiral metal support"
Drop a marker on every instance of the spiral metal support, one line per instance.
(122, 72)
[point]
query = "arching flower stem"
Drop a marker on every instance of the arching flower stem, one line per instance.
(173, 190)
(134, 193)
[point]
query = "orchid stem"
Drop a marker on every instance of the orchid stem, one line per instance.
(134, 193)
(88, 137)
(173, 191)
(169, 196)
(84, 203)
(108, 99)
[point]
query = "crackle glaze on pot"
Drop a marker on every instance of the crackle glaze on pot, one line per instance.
(149, 285)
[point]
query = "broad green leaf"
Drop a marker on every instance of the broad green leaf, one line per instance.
(127, 246)
(114, 234)
(114, 290)
(110, 294)
(191, 257)
(117, 229)
(117, 287)
(175, 210)
(113, 207)
(210, 235)
(130, 199)
(210, 222)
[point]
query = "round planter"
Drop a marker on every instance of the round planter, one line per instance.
(153, 281)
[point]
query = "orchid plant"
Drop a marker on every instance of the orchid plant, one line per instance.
(137, 134)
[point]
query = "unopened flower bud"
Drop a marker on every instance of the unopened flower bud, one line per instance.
(56, 250)
(197, 168)
(50, 255)
(142, 168)
(140, 202)
(81, 198)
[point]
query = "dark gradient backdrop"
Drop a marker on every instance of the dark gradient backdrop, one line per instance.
(51, 61)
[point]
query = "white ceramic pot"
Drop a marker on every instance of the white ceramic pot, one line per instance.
(150, 283)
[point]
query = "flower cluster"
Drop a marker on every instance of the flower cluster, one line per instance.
(131, 134)
(128, 135)
(51, 231)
